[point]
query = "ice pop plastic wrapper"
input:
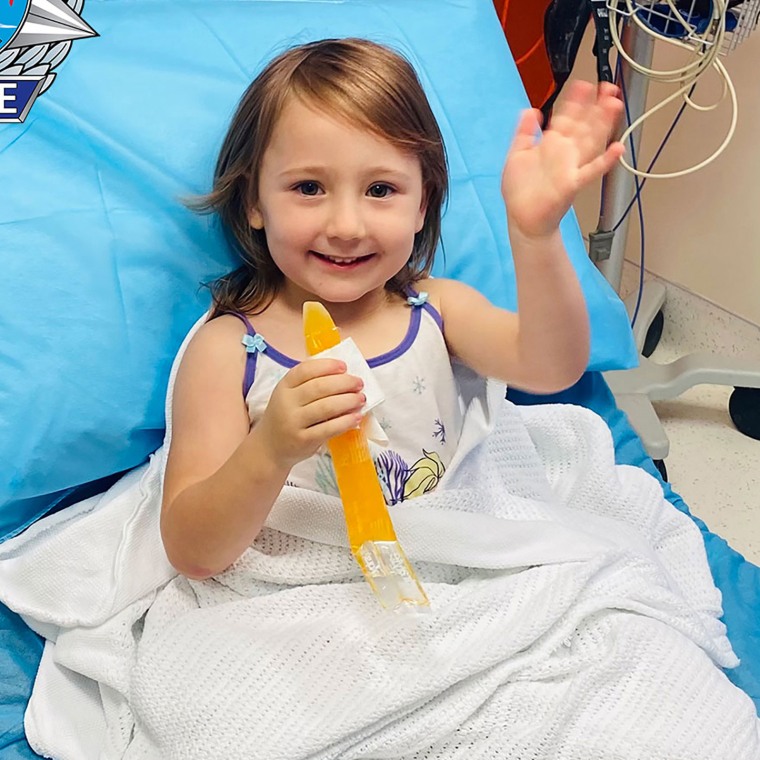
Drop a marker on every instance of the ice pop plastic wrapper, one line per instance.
(371, 535)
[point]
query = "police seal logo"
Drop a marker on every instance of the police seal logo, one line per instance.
(35, 36)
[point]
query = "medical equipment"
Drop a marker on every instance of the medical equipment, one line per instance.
(371, 535)
(704, 31)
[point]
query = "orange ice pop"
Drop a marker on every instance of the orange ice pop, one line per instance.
(370, 531)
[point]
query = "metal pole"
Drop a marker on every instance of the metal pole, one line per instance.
(619, 186)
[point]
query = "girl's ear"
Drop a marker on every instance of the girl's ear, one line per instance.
(255, 219)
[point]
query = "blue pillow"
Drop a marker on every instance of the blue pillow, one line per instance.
(102, 264)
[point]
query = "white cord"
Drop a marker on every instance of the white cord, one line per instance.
(702, 60)
(706, 48)
(729, 86)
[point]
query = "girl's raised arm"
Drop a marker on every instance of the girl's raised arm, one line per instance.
(546, 348)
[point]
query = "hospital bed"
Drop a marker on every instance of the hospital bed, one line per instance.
(102, 262)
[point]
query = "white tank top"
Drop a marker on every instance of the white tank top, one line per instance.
(421, 414)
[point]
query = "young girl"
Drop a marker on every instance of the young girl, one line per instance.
(330, 182)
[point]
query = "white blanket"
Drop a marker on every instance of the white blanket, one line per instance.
(573, 618)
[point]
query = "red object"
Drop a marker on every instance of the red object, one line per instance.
(523, 25)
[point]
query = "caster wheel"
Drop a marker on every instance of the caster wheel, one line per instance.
(744, 408)
(654, 333)
(660, 465)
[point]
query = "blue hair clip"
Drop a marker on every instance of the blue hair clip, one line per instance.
(254, 343)
(418, 300)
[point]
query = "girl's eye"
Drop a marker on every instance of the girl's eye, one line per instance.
(379, 190)
(308, 188)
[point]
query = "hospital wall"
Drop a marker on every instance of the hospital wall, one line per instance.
(702, 230)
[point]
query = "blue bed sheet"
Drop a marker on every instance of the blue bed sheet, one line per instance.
(20, 653)
(738, 579)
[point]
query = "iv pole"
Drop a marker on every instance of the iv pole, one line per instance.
(636, 389)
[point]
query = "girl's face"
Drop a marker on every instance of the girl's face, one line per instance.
(339, 206)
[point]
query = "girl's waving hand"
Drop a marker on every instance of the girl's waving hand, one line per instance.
(546, 347)
(541, 177)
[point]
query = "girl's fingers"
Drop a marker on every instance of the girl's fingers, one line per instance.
(610, 110)
(601, 165)
(324, 431)
(327, 386)
(572, 110)
(583, 93)
(311, 369)
(588, 117)
(527, 130)
(608, 90)
(330, 408)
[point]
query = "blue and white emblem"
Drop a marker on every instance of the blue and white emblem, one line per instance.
(35, 36)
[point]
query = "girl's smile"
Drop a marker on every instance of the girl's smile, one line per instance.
(343, 262)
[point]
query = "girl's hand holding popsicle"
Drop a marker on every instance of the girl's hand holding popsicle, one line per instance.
(315, 401)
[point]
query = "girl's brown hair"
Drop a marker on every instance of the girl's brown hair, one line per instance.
(354, 79)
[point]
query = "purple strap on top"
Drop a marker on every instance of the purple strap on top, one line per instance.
(252, 347)
(416, 299)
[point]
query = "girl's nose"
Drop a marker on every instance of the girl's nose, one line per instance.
(345, 220)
